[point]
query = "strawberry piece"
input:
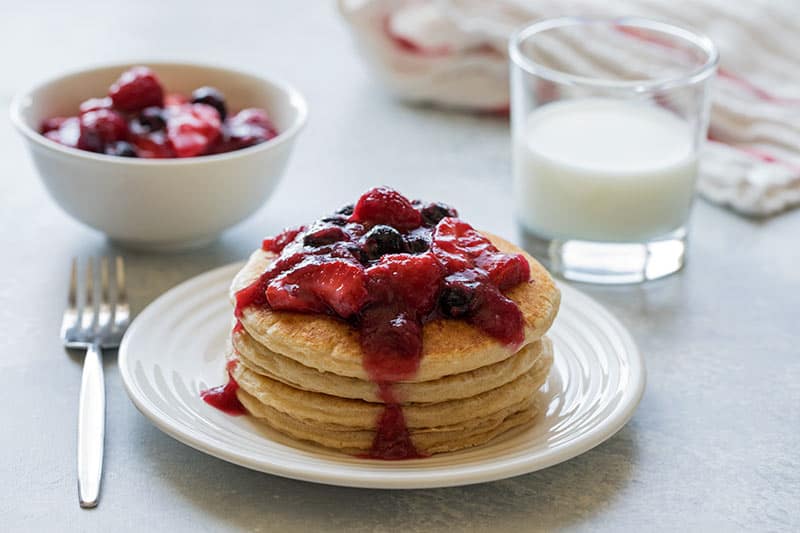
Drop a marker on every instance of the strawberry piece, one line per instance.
(192, 128)
(412, 280)
(446, 244)
(256, 292)
(136, 89)
(454, 237)
(248, 127)
(320, 286)
(278, 243)
(383, 205)
(458, 246)
(505, 270)
(153, 146)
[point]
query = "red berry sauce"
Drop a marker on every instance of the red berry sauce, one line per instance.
(224, 397)
(137, 119)
(387, 266)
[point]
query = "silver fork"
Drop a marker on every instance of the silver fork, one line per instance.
(93, 325)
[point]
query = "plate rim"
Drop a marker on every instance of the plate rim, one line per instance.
(595, 436)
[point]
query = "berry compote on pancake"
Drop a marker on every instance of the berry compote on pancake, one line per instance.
(388, 265)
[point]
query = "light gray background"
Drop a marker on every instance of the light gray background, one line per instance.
(715, 442)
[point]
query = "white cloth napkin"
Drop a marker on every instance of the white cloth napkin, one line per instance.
(453, 53)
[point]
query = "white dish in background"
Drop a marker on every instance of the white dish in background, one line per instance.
(175, 348)
(161, 204)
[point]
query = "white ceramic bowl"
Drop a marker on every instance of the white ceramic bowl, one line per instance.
(160, 203)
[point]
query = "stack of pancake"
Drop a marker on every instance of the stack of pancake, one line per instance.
(302, 374)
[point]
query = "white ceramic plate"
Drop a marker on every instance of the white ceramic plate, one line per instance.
(174, 349)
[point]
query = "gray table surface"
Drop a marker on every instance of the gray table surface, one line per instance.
(715, 442)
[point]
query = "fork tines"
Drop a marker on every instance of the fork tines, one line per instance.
(97, 309)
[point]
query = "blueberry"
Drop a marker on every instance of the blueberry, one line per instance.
(346, 210)
(210, 96)
(336, 220)
(382, 240)
(359, 254)
(455, 300)
(417, 244)
(435, 212)
(121, 149)
(149, 120)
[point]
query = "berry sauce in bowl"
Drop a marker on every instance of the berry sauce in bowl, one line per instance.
(160, 158)
(139, 118)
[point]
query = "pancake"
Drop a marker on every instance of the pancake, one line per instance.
(330, 412)
(262, 361)
(426, 440)
(449, 346)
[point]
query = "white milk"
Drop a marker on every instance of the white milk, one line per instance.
(603, 170)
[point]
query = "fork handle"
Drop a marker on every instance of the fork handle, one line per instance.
(91, 428)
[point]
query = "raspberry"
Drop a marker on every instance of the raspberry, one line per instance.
(136, 89)
(383, 205)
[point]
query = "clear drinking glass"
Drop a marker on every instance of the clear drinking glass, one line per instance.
(608, 118)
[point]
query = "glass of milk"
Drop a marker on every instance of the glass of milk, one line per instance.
(608, 119)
